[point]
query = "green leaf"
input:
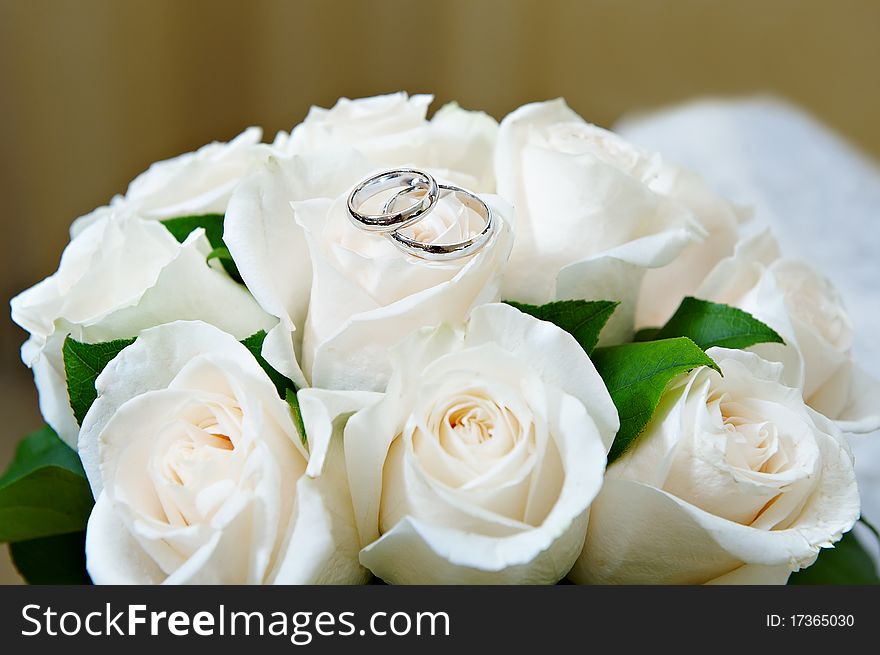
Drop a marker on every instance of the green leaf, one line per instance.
(871, 528)
(583, 319)
(44, 491)
(847, 563)
(51, 500)
(293, 401)
(83, 363)
(636, 375)
(40, 448)
(285, 387)
(254, 343)
(60, 559)
(712, 324)
(182, 226)
(223, 255)
(646, 334)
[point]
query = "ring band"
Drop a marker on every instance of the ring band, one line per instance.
(388, 221)
(444, 252)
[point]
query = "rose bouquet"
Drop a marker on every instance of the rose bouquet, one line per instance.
(618, 380)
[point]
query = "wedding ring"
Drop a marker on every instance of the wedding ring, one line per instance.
(444, 251)
(389, 220)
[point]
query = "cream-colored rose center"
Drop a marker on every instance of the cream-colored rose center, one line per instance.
(752, 462)
(449, 222)
(468, 436)
(196, 463)
(480, 444)
(477, 431)
(387, 274)
(752, 445)
(183, 459)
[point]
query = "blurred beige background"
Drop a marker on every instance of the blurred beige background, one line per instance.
(92, 91)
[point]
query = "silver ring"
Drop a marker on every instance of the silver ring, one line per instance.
(444, 252)
(388, 221)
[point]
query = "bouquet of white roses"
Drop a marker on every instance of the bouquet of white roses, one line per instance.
(432, 351)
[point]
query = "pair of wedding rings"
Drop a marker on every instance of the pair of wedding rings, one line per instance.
(424, 193)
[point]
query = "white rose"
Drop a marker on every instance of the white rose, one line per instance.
(201, 477)
(367, 295)
(330, 152)
(594, 214)
(734, 480)
(479, 463)
(392, 130)
(665, 287)
(809, 314)
(118, 276)
(194, 183)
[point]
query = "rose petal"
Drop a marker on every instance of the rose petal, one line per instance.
(570, 207)
(187, 289)
(640, 535)
(415, 551)
(199, 182)
(551, 353)
(320, 409)
(134, 372)
(113, 556)
(754, 574)
(323, 548)
(663, 288)
(50, 379)
(862, 413)
(686, 545)
(617, 275)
